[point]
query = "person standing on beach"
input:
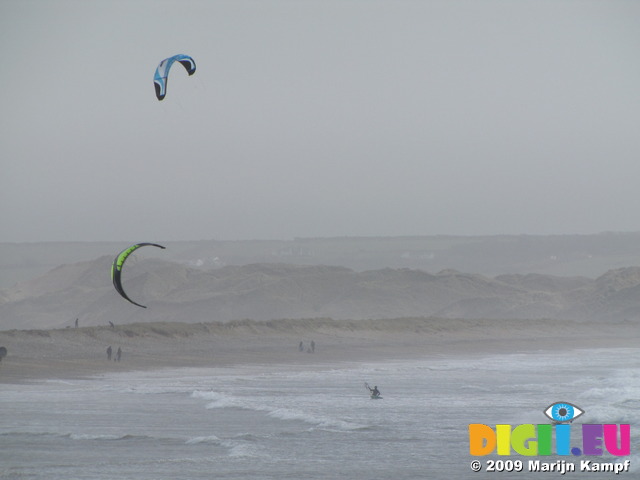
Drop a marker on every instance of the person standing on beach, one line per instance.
(313, 346)
(118, 354)
(109, 352)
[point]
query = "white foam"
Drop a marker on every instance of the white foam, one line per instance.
(87, 436)
(211, 439)
(275, 407)
(243, 449)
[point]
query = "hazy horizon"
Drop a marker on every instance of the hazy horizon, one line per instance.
(318, 119)
(295, 239)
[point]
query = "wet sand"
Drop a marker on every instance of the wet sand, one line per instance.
(78, 352)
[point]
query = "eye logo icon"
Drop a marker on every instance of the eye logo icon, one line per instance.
(562, 412)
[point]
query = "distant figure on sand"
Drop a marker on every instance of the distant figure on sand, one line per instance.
(118, 354)
(111, 323)
(301, 347)
(3, 352)
(76, 323)
(109, 352)
(313, 346)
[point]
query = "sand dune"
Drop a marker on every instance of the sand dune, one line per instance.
(558, 255)
(176, 292)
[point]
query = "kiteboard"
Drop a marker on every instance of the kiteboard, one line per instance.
(376, 397)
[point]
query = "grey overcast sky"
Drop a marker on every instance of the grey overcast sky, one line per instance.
(318, 118)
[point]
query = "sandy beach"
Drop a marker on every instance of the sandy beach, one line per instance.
(76, 352)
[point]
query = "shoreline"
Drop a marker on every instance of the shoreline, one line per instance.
(35, 355)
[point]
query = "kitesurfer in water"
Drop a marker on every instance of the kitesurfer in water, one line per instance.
(374, 391)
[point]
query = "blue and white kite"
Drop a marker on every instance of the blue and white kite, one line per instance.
(160, 77)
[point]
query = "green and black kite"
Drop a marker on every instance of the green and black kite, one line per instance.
(118, 263)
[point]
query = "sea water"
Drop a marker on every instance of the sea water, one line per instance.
(313, 422)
